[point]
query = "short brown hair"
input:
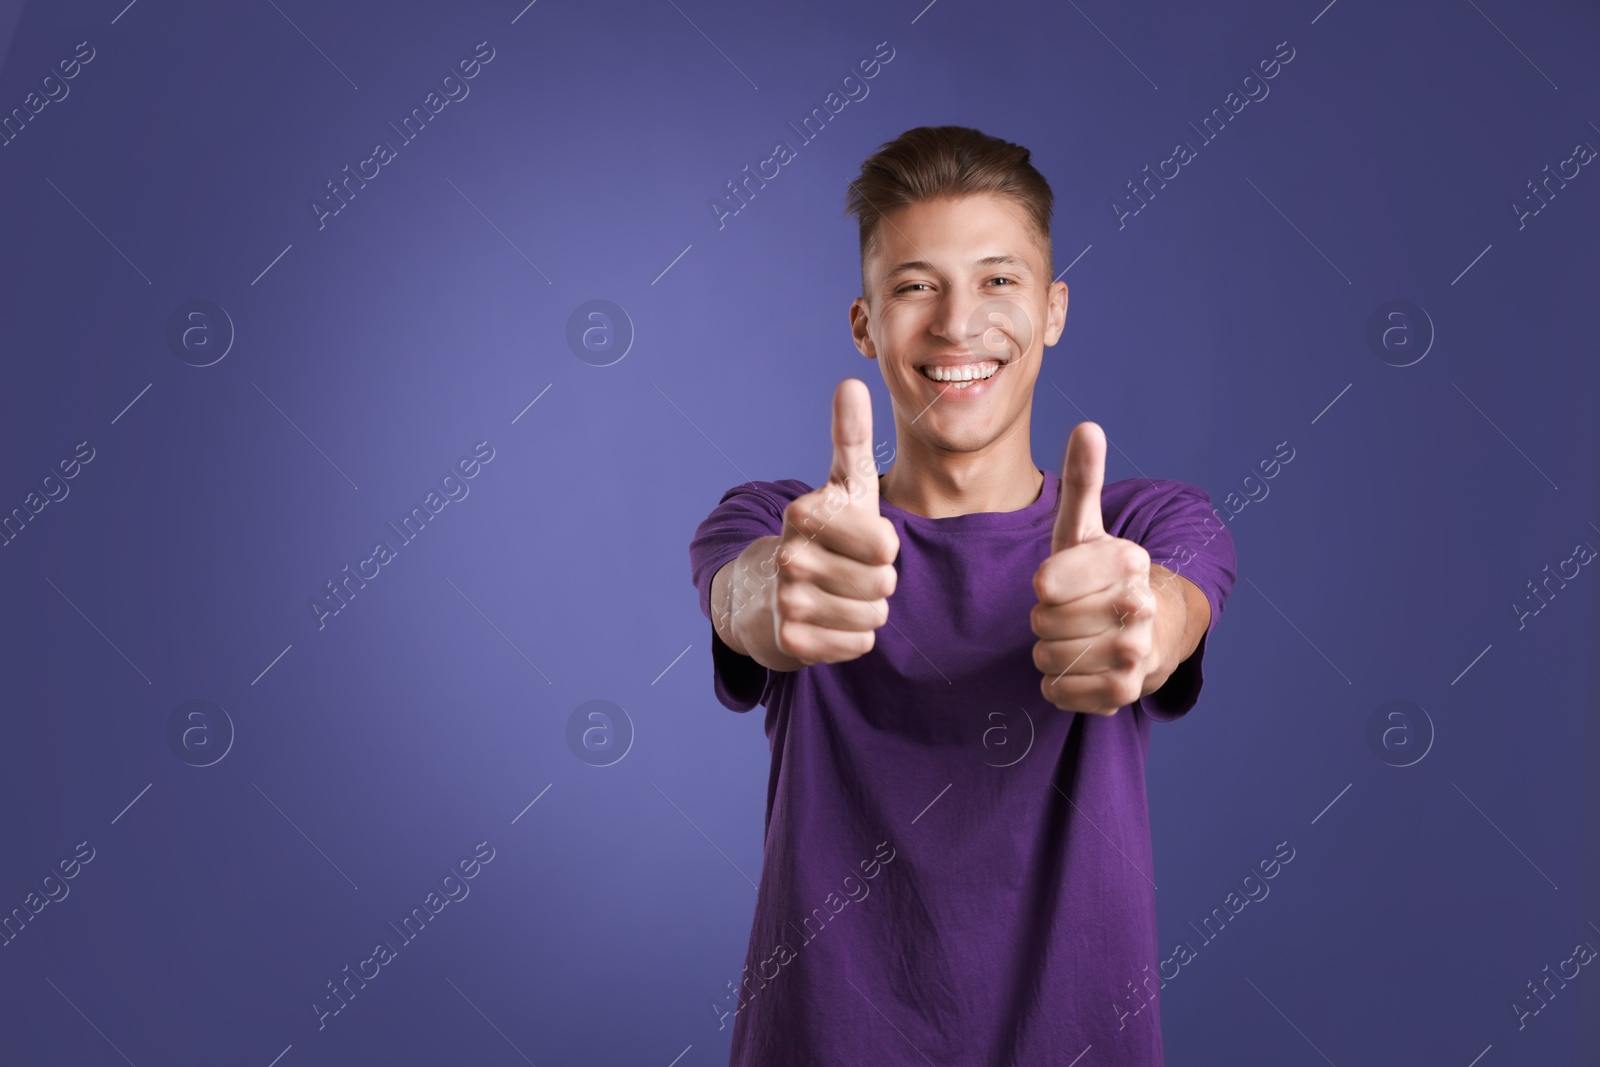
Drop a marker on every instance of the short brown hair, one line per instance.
(931, 162)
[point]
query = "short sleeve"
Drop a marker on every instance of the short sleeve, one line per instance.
(745, 512)
(1175, 522)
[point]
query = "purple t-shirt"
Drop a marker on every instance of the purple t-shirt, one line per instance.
(955, 871)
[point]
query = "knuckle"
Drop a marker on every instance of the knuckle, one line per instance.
(791, 601)
(889, 582)
(1041, 584)
(798, 562)
(788, 634)
(1135, 559)
(1125, 690)
(888, 546)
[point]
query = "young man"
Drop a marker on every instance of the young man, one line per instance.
(960, 662)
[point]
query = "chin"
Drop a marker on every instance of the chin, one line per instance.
(963, 440)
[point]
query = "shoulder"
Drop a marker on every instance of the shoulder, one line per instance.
(751, 509)
(1135, 507)
(774, 496)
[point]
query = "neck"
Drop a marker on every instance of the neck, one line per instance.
(938, 483)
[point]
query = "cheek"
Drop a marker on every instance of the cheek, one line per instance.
(908, 316)
(1024, 374)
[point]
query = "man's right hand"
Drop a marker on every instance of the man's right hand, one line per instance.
(835, 557)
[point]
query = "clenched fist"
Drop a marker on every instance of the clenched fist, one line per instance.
(1095, 618)
(836, 553)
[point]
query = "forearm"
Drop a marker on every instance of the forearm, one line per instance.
(1182, 615)
(742, 608)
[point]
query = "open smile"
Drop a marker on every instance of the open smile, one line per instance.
(966, 380)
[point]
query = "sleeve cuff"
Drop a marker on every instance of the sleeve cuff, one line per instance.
(1181, 692)
(739, 680)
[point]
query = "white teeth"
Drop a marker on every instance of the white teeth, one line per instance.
(964, 373)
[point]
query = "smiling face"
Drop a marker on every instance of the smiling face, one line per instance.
(957, 309)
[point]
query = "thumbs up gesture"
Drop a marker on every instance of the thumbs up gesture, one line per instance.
(1095, 618)
(836, 553)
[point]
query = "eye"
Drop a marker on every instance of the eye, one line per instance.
(1011, 281)
(907, 288)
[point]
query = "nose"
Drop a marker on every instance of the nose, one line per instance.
(958, 321)
(985, 327)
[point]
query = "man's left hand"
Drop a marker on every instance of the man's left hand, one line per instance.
(1096, 618)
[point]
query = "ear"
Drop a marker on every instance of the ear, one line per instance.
(860, 321)
(1055, 312)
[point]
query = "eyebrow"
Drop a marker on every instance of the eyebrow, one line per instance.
(987, 261)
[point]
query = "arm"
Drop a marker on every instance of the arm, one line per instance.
(742, 609)
(1182, 616)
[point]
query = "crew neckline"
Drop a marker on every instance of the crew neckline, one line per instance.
(1040, 511)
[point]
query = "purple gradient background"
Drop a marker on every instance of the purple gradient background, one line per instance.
(1200, 335)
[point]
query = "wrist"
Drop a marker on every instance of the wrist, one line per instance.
(1170, 624)
(751, 628)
